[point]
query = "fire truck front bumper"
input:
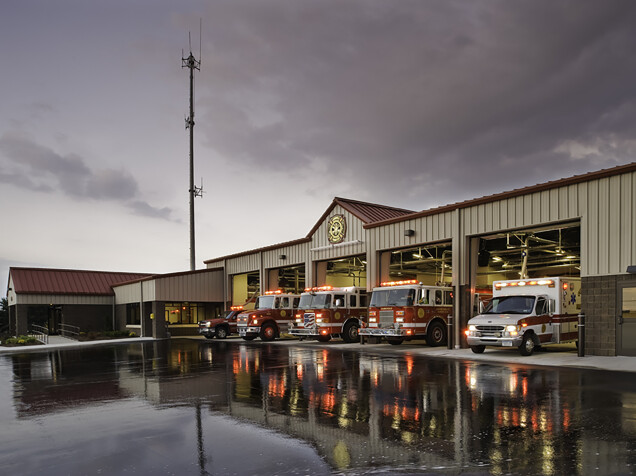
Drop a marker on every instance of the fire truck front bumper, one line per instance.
(383, 332)
(303, 331)
(248, 331)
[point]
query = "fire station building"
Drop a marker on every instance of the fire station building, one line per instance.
(582, 226)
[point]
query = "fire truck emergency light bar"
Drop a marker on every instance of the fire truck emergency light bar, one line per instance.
(540, 282)
(319, 288)
(278, 291)
(236, 308)
(399, 283)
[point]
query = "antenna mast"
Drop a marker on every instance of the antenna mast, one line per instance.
(192, 63)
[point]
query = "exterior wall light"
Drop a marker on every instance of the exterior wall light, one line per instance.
(409, 232)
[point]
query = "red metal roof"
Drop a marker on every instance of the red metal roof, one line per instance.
(371, 212)
(67, 281)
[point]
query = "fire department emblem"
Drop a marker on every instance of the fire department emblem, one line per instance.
(337, 315)
(336, 229)
(420, 313)
(283, 313)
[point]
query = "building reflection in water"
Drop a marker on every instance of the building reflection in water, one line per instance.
(360, 411)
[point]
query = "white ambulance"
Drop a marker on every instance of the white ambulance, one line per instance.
(527, 313)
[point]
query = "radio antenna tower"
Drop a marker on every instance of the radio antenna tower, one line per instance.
(192, 63)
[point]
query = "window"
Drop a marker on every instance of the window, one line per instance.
(448, 297)
(438, 297)
(340, 297)
(184, 313)
(133, 316)
(542, 306)
(424, 298)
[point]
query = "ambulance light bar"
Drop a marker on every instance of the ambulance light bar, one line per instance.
(236, 308)
(399, 283)
(537, 282)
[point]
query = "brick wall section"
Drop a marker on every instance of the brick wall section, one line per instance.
(599, 300)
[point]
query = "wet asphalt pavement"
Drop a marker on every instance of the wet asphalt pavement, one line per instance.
(230, 407)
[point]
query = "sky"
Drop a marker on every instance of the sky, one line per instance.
(409, 103)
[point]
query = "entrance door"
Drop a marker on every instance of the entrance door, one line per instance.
(627, 319)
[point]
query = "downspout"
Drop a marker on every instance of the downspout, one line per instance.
(141, 308)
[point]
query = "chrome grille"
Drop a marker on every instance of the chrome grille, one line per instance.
(386, 318)
(494, 331)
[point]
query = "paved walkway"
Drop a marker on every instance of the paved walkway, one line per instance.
(551, 356)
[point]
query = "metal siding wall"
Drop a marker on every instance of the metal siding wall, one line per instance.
(606, 208)
(244, 264)
(191, 287)
(127, 293)
(296, 255)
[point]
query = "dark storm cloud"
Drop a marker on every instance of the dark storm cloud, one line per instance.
(34, 167)
(442, 100)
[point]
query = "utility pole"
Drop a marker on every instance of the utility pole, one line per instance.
(191, 63)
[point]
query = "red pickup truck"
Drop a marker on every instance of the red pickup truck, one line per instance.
(220, 327)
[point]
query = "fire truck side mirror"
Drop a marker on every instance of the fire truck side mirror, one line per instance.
(551, 306)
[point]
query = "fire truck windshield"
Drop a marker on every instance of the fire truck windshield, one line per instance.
(392, 297)
(314, 301)
(266, 302)
(511, 305)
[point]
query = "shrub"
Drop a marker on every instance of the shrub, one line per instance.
(132, 334)
(20, 340)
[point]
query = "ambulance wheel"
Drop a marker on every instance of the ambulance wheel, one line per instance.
(527, 345)
(221, 332)
(322, 338)
(249, 337)
(436, 334)
(478, 349)
(268, 332)
(397, 341)
(350, 333)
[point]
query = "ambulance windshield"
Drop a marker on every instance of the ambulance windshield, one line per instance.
(511, 305)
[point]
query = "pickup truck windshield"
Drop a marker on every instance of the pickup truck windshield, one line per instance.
(511, 305)
(314, 301)
(392, 297)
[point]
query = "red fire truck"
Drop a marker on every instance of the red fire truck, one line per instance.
(325, 312)
(271, 316)
(404, 310)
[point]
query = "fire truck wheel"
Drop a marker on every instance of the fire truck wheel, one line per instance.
(350, 333)
(397, 341)
(527, 345)
(268, 332)
(436, 334)
(478, 349)
(221, 332)
(326, 338)
(249, 337)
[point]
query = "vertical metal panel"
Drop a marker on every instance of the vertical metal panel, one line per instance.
(582, 211)
(592, 227)
(543, 206)
(603, 226)
(294, 255)
(614, 223)
(573, 201)
(554, 204)
(564, 198)
(126, 293)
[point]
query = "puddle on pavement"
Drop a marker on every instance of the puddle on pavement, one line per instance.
(189, 407)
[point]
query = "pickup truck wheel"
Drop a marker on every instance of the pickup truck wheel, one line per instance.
(527, 345)
(395, 341)
(350, 333)
(436, 334)
(221, 332)
(268, 332)
(478, 349)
